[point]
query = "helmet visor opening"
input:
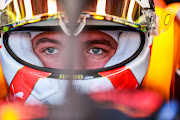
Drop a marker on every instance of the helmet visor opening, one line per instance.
(97, 48)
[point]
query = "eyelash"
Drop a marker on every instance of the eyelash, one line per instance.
(47, 53)
(45, 50)
(90, 51)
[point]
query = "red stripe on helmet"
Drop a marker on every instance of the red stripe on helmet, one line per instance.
(23, 83)
(121, 78)
(150, 47)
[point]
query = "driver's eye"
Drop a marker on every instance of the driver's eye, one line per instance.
(96, 51)
(51, 50)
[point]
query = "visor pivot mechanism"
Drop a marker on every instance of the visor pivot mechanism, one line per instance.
(151, 20)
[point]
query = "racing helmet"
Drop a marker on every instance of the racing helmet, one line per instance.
(39, 56)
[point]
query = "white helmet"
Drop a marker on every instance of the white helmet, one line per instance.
(113, 38)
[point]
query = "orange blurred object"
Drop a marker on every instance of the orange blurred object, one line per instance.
(19, 111)
(3, 85)
(165, 57)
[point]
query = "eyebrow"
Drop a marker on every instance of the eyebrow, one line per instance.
(45, 40)
(102, 41)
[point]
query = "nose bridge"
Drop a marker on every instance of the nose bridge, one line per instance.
(79, 59)
(75, 53)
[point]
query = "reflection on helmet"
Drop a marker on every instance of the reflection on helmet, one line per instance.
(111, 48)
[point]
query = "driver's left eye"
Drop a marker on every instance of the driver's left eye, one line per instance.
(96, 51)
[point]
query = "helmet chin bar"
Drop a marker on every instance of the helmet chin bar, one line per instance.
(63, 22)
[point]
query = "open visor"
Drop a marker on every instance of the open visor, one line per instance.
(99, 47)
(129, 12)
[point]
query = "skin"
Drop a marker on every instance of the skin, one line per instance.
(95, 48)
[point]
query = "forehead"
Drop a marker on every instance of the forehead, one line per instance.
(83, 36)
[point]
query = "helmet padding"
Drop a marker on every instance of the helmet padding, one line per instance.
(128, 44)
(21, 45)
